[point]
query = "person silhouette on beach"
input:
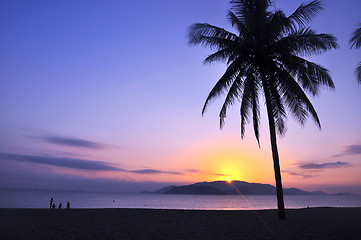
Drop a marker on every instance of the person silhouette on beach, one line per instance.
(59, 205)
(68, 205)
(53, 206)
(51, 202)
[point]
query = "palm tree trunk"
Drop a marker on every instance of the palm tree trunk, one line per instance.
(276, 166)
(276, 161)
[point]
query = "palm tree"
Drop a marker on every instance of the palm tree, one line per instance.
(264, 60)
(355, 41)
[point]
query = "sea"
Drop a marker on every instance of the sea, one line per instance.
(41, 199)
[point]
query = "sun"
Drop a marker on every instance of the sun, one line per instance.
(229, 180)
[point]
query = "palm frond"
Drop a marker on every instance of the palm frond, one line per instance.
(292, 102)
(278, 110)
(293, 90)
(310, 75)
(253, 13)
(305, 42)
(223, 83)
(358, 73)
(355, 40)
(246, 103)
(256, 114)
(295, 98)
(304, 13)
(278, 25)
(233, 95)
(223, 55)
(237, 23)
(244, 7)
(210, 36)
(230, 54)
(250, 104)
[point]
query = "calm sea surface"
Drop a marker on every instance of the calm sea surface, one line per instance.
(40, 199)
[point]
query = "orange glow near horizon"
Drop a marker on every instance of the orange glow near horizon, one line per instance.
(207, 160)
(236, 164)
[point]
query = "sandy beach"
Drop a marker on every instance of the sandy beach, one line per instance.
(312, 223)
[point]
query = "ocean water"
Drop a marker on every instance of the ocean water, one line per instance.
(41, 198)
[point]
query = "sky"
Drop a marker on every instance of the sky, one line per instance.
(107, 96)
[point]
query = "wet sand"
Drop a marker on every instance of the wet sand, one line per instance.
(312, 223)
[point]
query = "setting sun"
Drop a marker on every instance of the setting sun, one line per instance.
(229, 180)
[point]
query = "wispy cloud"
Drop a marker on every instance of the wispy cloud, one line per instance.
(75, 163)
(153, 171)
(221, 174)
(193, 170)
(350, 150)
(300, 174)
(72, 142)
(337, 164)
(198, 171)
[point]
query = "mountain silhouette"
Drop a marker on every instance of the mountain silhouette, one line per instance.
(233, 188)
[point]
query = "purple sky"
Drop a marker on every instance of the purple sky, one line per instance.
(107, 95)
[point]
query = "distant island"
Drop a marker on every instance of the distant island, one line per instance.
(233, 188)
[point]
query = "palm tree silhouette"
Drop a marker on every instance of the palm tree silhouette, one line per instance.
(265, 58)
(355, 41)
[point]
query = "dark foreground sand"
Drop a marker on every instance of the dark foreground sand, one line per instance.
(313, 223)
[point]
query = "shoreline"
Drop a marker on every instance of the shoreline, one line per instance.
(125, 223)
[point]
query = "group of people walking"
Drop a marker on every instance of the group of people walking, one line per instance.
(52, 204)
